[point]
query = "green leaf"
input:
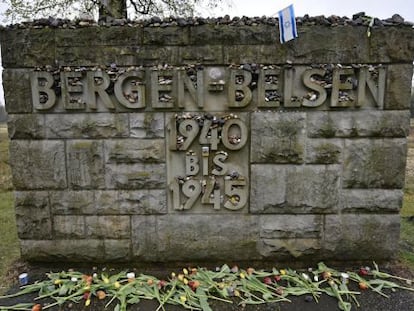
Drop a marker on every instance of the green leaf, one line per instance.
(202, 297)
(345, 306)
(117, 307)
(63, 290)
(133, 300)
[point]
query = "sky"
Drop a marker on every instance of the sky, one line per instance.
(375, 8)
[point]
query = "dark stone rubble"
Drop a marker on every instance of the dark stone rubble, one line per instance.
(358, 19)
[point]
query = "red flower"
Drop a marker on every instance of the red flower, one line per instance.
(363, 272)
(194, 284)
(267, 280)
(86, 295)
(162, 284)
(277, 278)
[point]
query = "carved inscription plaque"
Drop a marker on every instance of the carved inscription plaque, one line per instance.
(208, 162)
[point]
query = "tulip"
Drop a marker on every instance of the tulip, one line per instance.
(242, 275)
(105, 280)
(181, 277)
(277, 278)
(185, 271)
(194, 284)
(89, 280)
(100, 294)
(363, 272)
(279, 291)
(326, 275)
(87, 302)
(37, 307)
(162, 284)
(57, 282)
(183, 299)
(86, 295)
(185, 281)
(363, 285)
(150, 282)
(267, 280)
(283, 272)
(250, 271)
(117, 285)
(130, 275)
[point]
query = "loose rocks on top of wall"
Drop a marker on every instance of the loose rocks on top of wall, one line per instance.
(206, 139)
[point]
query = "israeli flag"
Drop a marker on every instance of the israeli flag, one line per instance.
(287, 24)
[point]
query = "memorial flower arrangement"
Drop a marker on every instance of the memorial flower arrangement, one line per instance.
(193, 288)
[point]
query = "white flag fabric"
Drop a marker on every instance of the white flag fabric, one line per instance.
(287, 24)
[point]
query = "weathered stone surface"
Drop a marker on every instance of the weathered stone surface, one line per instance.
(290, 226)
(117, 250)
(365, 123)
(28, 48)
(277, 137)
(146, 125)
(247, 54)
(74, 126)
(208, 54)
(123, 55)
(230, 35)
(190, 237)
(268, 188)
(341, 45)
(166, 36)
(62, 250)
(398, 92)
(108, 227)
(69, 227)
(26, 126)
(284, 249)
(72, 202)
(135, 151)
(324, 151)
(153, 55)
(362, 237)
(144, 238)
(133, 202)
(135, 176)
(374, 201)
(33, 215)
(297, 189)
(313, 188)
(92, 181)
(38, 164)
(96, 37)
(17, 93)
(392, 44)
(85, 164)
(374, 163)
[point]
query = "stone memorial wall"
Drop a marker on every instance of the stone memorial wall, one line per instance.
(207, 142)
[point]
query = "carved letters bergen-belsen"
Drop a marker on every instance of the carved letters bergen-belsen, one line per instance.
(331, 86)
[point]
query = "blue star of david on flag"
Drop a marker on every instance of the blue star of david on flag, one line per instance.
(287, 24)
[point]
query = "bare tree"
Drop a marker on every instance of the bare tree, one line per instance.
(31, 9)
